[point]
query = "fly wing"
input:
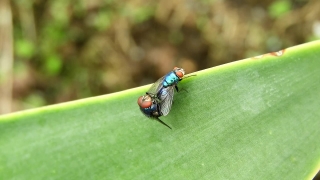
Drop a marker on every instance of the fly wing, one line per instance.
(154, 89)
(166, 96)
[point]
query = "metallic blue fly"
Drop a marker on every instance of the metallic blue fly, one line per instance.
(150, 108)
(163, 89)
(158, 100)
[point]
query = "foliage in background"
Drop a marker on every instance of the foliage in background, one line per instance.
(67, 50)
(257, 118)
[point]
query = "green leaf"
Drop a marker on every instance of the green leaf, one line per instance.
(24, 48)
(279, 8)
(102, 20)
(138, 13)
(257, 118)
(53, 65)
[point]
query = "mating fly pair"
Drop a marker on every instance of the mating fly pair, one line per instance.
(158, 100)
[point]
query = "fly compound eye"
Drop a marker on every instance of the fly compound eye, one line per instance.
(180, 73)
(144, 102)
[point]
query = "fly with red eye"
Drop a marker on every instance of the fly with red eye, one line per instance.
(150, 108)
(158, 99)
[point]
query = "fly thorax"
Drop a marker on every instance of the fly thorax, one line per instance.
(170, 79)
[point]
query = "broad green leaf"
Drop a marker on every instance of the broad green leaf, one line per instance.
(257, 118)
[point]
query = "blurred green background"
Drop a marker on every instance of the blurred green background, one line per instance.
(62, 50)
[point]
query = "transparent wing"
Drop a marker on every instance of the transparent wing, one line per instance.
(166, 96)
(154, 89)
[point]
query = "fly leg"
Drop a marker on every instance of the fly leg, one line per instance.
(159, 120)
(184, 78)
(182, 89)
